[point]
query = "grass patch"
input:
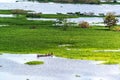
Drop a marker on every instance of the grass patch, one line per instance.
(58, 16)
(51, 16)
(14, 11)
(34, 62)
(5, 12)
(18, 37)
(21, 20)
(111, 62)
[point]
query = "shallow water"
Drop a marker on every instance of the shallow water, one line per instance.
(91, 20)
(54, 8)
(55, 68)
(44, 19)
(6, 15)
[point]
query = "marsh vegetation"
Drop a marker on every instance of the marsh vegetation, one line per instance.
(20, 37)
(46, 39)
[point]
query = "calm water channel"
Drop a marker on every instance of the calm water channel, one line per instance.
(60, 8)
(54, 68)
(53, 8)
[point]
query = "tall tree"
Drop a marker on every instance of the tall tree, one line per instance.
(115, 1)
(110, 20)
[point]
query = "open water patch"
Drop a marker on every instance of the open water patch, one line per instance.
(55, 68)
(65, 45)
(7, 15)
(95, 21)
(44, 19)
(3, 25)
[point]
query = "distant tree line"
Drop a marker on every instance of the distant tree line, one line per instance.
(111, 1)
(77, 1)
(71, 1)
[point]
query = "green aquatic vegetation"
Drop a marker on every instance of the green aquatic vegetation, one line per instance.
(111, 62)
(14, 11)
(34, 62)
(37, 15)
(21, 20)
(5, 11)
(18, 37)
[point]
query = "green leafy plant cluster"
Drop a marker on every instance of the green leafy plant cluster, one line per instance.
(34, 62)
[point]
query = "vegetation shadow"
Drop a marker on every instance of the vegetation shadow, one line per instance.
(103, 29)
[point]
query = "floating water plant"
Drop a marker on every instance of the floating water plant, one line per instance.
(34, 62)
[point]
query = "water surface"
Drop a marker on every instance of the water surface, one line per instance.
(61, 8)
(55, 68)
(6, 15)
